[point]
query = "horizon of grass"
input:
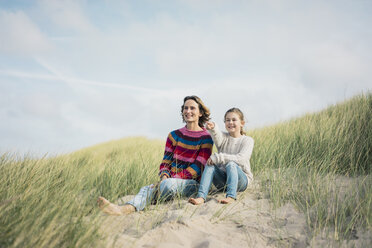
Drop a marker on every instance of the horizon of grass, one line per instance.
(48, 202)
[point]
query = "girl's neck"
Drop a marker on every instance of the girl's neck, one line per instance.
(193, 126)
(235, 135)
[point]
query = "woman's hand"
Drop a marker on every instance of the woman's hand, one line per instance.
(209, 125)
(157, 184)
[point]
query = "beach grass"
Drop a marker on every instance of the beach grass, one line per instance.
(320, 162)
(51, 202)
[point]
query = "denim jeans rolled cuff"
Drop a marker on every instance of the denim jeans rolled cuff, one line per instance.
(168, 189)
(143, 197)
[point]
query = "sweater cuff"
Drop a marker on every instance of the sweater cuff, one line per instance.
(214, 158)
(165, 173)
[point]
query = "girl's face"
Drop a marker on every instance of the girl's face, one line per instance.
(233, 124)
(191, 111)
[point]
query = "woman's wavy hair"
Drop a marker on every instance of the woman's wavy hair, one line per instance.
(241, 116)
(202, 108)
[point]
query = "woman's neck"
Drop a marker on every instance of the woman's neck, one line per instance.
(193, 126)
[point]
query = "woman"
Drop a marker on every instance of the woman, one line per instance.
(186, 152)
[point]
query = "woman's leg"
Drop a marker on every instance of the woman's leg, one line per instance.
(113, 209)
(171, 187)
(138, 203)
(143, 198)
(236, 180)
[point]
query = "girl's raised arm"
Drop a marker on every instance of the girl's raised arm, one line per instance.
(217, 135)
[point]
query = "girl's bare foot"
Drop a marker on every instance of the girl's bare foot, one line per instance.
(227, 200)
(196, 201)
(112, 209)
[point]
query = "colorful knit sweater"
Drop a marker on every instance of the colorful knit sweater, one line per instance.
(186, 153)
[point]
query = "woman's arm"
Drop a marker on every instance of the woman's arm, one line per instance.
(165, 166)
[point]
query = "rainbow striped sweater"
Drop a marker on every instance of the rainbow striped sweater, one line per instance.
(186, 153)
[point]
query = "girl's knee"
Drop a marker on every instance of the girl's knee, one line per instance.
(209, 167)
(232, 164)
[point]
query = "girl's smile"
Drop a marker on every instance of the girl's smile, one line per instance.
(233, 124)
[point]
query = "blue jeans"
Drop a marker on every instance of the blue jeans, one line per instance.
(168, 189)
(234, 179)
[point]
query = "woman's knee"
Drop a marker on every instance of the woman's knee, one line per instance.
(168, 187)
(167, 184)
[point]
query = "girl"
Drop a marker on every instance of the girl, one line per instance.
(186, 152)
(230, 167)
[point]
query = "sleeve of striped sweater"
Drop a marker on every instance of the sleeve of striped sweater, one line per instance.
(165, 165)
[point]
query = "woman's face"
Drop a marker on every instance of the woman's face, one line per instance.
(191, 111)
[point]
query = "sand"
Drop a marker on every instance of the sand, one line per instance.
(248, 222)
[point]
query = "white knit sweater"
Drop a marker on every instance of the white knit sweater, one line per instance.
(238, 150)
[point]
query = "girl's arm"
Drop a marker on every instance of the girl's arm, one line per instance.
(240, 158)
(218, 137)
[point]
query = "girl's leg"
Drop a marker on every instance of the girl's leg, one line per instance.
(205, 185)
(236, 180)
(206, 181)
(219, 179)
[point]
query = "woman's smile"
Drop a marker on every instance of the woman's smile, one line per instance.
(191, 111)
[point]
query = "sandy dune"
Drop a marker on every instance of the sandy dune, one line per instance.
(248, 222)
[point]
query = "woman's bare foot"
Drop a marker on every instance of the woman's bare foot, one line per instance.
(196, 201)
(227, 200)
(112, 209)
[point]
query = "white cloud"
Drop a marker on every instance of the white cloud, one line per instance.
(67, 14)
(19, 35)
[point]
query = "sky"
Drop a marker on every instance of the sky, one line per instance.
(75, 73)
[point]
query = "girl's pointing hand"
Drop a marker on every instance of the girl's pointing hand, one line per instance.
(209, 125)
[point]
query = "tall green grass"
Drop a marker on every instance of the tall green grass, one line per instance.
(337, 139)
(52, 202)
(320, 162)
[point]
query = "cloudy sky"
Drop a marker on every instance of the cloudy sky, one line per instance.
(75, 73)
